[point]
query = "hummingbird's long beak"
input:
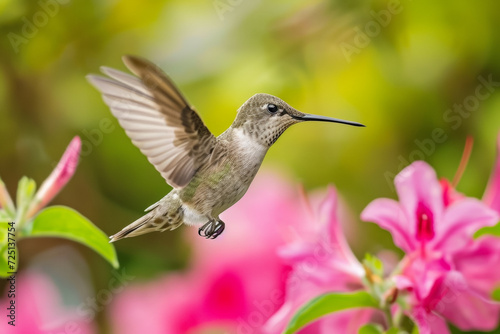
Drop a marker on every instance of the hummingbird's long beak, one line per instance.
(310, 117)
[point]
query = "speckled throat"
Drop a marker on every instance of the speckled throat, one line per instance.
(268, 132)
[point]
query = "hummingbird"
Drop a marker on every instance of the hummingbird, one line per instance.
(207, 174)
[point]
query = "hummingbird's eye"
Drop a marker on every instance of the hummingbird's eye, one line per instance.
(272, 108)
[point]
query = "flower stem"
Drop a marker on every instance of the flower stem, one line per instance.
(388, 316)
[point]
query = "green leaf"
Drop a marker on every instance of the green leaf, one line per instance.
(3, 249)
(371, 329)
(64, 222)
(329, 303)
(394, 330)
(492, 230)
(496, 295)
(3, 265)
(377, 329)
(5, 268)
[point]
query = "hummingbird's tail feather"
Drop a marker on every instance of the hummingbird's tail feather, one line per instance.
(166, 214)
(138, 227)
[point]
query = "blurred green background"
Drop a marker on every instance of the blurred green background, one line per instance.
(399, 67)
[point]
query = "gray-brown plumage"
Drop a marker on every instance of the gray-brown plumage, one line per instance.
(208, 174)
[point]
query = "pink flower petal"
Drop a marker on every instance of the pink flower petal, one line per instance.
(428, 322)
(425, 274)
(460, 221)
(468, 312)
(402, 282)
(345, 322)
(492, 194)
(423, 310)
(322, 262)
(58, 178)
(388, 214)
(464, 308)
(329, 215)
(450, 194)
(475, 262)
(417, 185)
(226, 298)
(440, 291)
(169, 301)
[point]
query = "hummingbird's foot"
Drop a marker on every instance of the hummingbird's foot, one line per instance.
(212, 229)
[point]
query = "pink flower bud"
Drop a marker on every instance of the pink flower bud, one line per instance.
(58, 178)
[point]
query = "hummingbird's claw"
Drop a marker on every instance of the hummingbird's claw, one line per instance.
(212, 229)
(219, 228)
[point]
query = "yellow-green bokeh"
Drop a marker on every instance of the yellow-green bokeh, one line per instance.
(323, 57)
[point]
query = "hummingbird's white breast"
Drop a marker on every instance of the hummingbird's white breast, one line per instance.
(250, 149)
(193, 217)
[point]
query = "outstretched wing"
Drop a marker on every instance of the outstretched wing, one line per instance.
(157, 118)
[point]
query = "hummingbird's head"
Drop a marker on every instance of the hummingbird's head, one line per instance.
(265, 117)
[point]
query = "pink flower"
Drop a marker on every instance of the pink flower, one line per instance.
(434, 226)
(58, 178)
(233, 284)
(322, 262)
(39, 309)
(420, 221)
